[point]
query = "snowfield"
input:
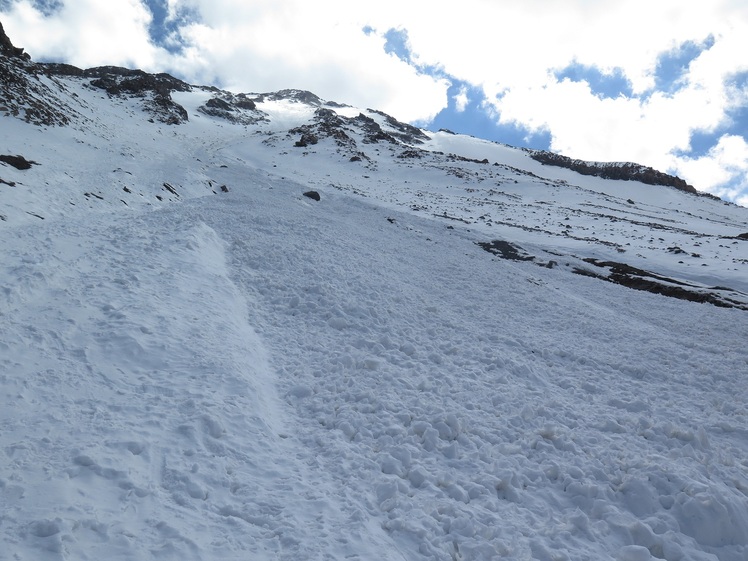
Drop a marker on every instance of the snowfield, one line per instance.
(193, 372)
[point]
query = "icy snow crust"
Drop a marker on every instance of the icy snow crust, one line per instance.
(188, 373)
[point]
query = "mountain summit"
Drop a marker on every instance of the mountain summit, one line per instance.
(272, 326)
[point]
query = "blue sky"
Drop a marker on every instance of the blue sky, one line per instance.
(661, 83)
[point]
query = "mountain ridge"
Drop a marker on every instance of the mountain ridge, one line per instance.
(119, 80)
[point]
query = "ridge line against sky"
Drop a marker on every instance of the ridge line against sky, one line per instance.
(663, 83)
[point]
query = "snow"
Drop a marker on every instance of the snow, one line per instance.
(254, 374)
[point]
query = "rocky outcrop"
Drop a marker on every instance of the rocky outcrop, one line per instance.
(307, 139)
(402, 131)
(326, 124)
(639, 279)
(22, 94)
(155, 89)
(237, 109)
(373, 132)
(300, 96)
(116, 80)
(18, 162)
(60, 69)
(7, 48)
(625, 171)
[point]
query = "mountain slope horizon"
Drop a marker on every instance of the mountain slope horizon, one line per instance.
(162, 84)
(271, 326)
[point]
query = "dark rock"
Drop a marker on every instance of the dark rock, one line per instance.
(156, 90)
(306, 139)
(224, 189)
(217, 103)
(355, 159)
(403, 131)
(236, 109)
(742, 236)
(625, 171)
(411, 154)
(244, 103)
(373, 133)
(18, 162)
(640, 279)
(24, 95)
(297, 95)
(166, 110)
(171, 189)
(302, 96)
(117, 80)
(60, 69)
(327, 116)
(312, 195)
(506, 250)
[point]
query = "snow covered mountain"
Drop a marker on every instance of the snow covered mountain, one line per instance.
(269, 326)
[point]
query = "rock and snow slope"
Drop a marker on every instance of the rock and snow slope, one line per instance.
(197, 362)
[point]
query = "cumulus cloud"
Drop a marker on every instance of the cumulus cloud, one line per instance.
(269, 45)
(84, 32)
(461, 100)
(723, 170)
(542, 65)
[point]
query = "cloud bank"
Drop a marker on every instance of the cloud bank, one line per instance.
(661, 83)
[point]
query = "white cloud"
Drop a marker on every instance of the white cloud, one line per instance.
(85, 32)
(723, 170)
(461, 99)
(302, 48)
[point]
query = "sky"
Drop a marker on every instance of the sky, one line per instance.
(662, 83)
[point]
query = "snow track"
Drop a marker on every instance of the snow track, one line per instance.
(139, 414)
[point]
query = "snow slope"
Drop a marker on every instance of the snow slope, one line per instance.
(191, 372)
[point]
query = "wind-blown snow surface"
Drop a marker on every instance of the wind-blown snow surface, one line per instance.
(256, 375)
